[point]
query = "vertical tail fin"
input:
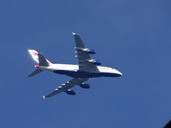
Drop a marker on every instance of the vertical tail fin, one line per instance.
(39, 58)
(42, 60)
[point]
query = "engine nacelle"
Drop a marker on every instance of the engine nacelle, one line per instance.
(70, 92)
(87, 50)
(86, 86)
(93, 61)
(90, 51)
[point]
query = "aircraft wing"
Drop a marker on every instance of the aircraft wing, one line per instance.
(85, 62)
(66, 87)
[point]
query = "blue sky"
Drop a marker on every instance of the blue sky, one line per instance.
(132, 36)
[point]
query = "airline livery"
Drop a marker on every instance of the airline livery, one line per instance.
(87, 68)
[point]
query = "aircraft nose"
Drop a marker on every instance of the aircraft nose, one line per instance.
(118, 72)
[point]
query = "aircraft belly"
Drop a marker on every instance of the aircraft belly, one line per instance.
(84, 74)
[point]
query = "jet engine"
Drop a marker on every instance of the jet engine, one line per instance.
(93, 61)
(70, 92)
(87, 50)
(86, 86)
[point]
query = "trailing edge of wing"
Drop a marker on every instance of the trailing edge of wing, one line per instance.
(66, 87)
(53, 93)
(82, 56)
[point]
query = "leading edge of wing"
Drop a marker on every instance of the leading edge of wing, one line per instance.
(79, 42)
(66, 86)
(83, 55)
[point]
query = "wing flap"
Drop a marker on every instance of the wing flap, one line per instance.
(82, 54)
(66, 87)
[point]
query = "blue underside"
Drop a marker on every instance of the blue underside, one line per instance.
(83, 74)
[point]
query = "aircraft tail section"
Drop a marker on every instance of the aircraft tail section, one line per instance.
(40, 61)
(39, 58)
(37, 71)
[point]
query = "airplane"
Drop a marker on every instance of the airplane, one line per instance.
(86, 69)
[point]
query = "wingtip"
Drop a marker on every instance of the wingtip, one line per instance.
(44, 97)
(74, 33)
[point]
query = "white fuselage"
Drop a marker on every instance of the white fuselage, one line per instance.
(73, 71)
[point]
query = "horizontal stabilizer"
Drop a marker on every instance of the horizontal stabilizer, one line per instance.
(37, 71)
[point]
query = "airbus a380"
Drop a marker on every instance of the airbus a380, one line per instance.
(87, 68)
